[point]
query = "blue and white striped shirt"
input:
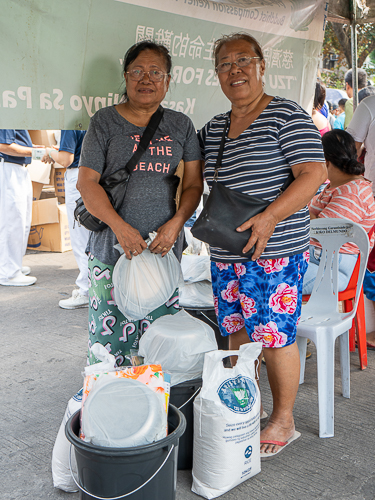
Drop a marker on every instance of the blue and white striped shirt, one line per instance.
(258, 162)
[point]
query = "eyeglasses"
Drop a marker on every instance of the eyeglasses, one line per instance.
(241, 62)
(154, 75)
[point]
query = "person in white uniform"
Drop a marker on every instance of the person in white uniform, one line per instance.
(68, 156)
(15, 206)
(362, 129)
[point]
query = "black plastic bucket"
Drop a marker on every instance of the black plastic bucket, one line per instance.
(139, 473)
(182, 396)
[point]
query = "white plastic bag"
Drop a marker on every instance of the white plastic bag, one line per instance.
(196, 295)
(226, 423)
(145, 282)
(178, 343)
(196, 268)
(194, 245)
(61, 475)
(197, 289)
(107, 360)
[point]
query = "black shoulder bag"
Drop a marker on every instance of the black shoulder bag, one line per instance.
(227, 209)
(115, 184)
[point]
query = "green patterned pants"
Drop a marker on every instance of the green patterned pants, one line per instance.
(107, 324)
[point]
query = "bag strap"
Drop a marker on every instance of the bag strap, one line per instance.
(218, 165)
(148, 134)
(221, 149)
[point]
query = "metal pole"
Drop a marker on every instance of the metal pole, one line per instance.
(353, 29)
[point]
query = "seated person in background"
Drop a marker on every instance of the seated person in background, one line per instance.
(332, 114)
(320, 121)
(348, 195)
(339, 122)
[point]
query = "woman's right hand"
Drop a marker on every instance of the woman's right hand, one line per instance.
(130, 239)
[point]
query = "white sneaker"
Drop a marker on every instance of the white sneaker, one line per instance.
(19, 280)
(75, 301)
(25, 270)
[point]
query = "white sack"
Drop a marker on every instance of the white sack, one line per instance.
(226, 423)
(178, 342)
(61, 476)
(145, 282)
(196, 295)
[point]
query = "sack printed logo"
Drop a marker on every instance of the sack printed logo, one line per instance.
(238, 394)
(242, 397)
(248, 452)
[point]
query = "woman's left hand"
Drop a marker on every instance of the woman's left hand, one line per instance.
(262, 228)
(166, 236)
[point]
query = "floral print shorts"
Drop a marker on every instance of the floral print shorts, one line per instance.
(265, 296)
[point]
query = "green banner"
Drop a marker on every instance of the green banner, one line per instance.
(62, 60)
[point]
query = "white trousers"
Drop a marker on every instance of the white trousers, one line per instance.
(78, 234)
(16, 196)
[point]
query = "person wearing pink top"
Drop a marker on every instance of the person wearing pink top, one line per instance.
(347, 196)
(320, 121)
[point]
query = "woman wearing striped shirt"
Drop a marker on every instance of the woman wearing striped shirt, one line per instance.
(348, 195)
(260, 299)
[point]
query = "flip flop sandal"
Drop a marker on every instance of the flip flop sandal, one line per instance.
(267, 456)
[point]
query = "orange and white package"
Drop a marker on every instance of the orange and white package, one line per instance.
(150, 375)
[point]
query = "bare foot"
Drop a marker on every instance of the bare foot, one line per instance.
(370, 337)
(276, 430)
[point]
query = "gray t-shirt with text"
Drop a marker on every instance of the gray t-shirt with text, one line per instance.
(149, 202)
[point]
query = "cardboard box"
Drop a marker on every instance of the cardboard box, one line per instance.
(47, 192)
(49, 227)
(39, 172)
(59, 181)
(43, 137)
(37, 190)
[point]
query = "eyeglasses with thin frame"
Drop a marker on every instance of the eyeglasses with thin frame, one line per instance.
(154, 75)
(241, 62)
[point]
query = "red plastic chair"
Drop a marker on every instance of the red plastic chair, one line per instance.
(347, 296)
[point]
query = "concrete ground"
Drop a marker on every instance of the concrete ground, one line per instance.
(43, 353)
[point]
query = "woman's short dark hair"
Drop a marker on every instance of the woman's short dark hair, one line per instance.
(320, 95)
(136, 49)
(339, 148)
(233, 37)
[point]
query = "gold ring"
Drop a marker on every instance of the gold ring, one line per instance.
(135, 251)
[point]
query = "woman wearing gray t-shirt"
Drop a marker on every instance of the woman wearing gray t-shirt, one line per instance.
(149, 205)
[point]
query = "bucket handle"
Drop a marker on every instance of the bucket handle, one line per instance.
(209, 319)
(122, 496)
(188, 401)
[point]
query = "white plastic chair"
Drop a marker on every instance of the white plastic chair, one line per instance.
(321, 320)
